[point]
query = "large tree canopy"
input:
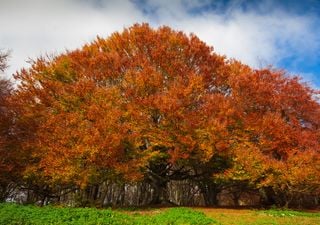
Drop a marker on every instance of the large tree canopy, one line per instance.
(145, 98)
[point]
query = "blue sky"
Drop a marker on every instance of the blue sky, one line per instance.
(281, 33)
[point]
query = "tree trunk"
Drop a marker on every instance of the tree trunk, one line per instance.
(210, 191)
(160, 195)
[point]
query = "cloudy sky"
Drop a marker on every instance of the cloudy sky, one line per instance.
(284, 33)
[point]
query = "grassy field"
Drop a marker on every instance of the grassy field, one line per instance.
(261, 217)
(15, 214)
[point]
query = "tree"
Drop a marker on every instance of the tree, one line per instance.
(5, 89)
(158, 105)
(3, 60)
(10, 168)
(279, 119)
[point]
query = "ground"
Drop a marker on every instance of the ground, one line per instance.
(225, 216)
(259, 217)
(58, 215)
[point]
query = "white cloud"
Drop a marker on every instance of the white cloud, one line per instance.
(34, 27)
(256, 39)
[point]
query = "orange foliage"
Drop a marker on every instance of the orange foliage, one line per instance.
(105, 110)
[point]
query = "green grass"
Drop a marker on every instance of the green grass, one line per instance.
(31, 215)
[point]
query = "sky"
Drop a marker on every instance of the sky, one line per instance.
(281, 33)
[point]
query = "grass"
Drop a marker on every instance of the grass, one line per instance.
(261, 217)
(31, 215)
